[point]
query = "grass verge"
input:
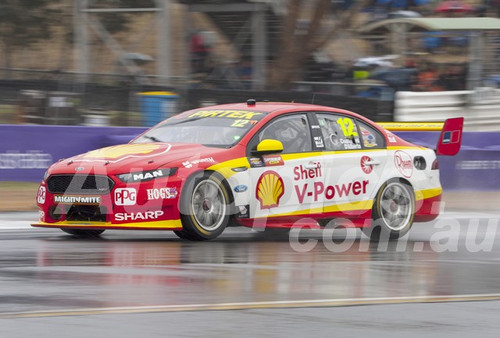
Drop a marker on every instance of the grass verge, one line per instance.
(18, 196)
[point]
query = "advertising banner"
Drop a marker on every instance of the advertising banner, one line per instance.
(26, 151)
(475, 167)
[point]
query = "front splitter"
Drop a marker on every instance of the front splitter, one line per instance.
(174, 224)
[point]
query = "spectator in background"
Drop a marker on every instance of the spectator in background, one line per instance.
(494, 6)
(244, 71)
(432, 41)
(200, 52)
(452, 78)
(427, 79)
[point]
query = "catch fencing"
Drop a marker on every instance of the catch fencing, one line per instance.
(480, 107)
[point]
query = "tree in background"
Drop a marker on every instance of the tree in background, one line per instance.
(307, 27)
(111, 22)
(24, 23)
(118, 22)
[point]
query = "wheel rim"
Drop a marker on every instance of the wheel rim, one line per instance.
(208, 205)
(396, 206)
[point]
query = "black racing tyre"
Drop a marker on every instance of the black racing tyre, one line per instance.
(393, 211)
(277, 232)
(184, 235)
(84, 233)
(205, 207)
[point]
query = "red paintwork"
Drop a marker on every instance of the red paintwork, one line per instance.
(428, 209)
(452, 132)
(173, 158)
(180, 153)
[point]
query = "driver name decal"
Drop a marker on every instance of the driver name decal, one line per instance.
(234, 114)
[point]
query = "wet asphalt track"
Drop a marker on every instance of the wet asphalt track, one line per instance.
(148, 284)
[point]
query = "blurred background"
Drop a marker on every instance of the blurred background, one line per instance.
(77, 75)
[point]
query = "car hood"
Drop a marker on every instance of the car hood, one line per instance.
(139, 157)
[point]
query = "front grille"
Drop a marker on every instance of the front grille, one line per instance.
(80, 184)
(87, 213)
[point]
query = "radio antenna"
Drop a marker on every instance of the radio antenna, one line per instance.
(312, 101)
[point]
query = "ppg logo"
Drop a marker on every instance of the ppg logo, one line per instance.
(125, 196)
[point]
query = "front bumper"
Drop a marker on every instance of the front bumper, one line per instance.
(145, 205)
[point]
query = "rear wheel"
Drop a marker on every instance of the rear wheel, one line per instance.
(393, 211)
(205, 208)
(82, 233)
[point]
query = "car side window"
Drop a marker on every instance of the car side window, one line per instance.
(371, 137)
(339, 132)
(293, 131)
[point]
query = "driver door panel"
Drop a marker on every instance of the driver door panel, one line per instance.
(283, 184)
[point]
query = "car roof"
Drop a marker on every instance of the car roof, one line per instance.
(277, 108)
(269, 107)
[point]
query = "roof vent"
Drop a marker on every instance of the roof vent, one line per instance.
(251, 102)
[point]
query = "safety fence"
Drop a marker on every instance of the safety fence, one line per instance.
(26, 151)
(480, 107)
(60, 98)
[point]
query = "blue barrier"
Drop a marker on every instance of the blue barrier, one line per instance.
(26, 151)
(475, 167)
(157, 106)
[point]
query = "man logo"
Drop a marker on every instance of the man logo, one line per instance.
(270, 189)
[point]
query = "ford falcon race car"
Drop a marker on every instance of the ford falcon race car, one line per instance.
(272, 165)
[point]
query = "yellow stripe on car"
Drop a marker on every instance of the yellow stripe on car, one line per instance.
(167, 224)
(351, 206)
(427, 193)
(226, 168)
(412, 126)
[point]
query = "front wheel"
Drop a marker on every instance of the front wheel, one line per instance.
(393, 211)
(205, 208)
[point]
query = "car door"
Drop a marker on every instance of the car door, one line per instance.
(354, 159)
(283, 184)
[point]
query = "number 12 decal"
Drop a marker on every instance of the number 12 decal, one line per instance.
(347, 127)
(239, 123)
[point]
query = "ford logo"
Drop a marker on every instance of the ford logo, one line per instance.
(240, 188)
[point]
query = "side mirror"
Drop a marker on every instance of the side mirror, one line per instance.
(268, 146)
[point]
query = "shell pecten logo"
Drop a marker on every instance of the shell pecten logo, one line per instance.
(269, 190)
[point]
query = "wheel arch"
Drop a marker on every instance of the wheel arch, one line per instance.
(401, 180)
(378, 231)
(191, 179)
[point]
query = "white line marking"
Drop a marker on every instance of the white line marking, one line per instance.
(255, 305)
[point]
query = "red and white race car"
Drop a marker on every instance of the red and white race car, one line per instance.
(274, 165)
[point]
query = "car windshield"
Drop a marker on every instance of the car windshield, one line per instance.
(217, 128)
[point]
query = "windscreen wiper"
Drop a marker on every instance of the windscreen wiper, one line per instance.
(187, 120)
(152, 138)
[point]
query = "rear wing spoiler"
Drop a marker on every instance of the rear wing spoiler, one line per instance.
(450, 139)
